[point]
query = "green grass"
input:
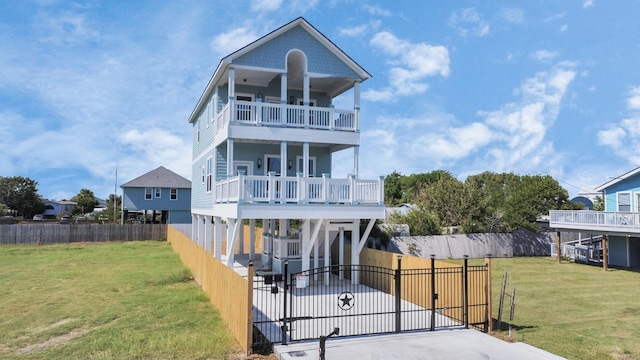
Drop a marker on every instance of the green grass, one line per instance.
(132, 300)
(572, 310)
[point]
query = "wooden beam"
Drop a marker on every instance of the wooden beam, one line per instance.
(365, 235)
(605, 260)
(559, 248)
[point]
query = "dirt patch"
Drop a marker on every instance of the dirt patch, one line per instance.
(52, 326)
(53, 341)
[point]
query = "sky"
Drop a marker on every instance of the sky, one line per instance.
(535, 88)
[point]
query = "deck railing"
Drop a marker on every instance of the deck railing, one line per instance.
(285, 115)
(594, 219)
(298, 190)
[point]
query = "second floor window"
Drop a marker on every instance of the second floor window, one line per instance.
(174, 194)
(624, 202)
(209, 174)
(148, 193)
(158, 193)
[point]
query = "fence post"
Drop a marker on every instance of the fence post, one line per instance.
(434, 296)
(488, 317)
(465, 291)
(249, 307)
(284, 297)
(399, 295)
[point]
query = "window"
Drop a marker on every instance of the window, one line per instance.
(198, 131)
(243, 167)
(174, 194)
(203, 170)
(158, 193)
(312, 165)
(209, 174)
(273, 164)
(148, 193)
(624, 202)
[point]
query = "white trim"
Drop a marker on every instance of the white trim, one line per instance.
(171, 190)
(148, 191)
(248, 164)
(312, 171)
(618, 201)
(157, 193)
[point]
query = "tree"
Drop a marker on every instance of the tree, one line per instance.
(421, 222)
(85, 202)
(598, 204)
(110, 212)
(21, 194)
(393, 189)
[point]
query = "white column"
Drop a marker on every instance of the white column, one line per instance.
(283, 163)
(356, 104)
(356, 161)
(193, 226)
(252, 239)
(217, 238)
(355, 254)
(241, 237)
(230, 157)
(305, 237)
(327, 251)
(207, 234)
(232, 82)
(305, 160)
(305, 89)
(341, 256)
(283, 88)
(231, 238)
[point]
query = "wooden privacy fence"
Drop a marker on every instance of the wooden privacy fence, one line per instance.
(228, 291)
(69, 233)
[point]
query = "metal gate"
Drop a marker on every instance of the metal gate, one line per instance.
(306, 305)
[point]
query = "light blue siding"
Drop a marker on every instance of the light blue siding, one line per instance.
(273, 54)
(617, 251)
(630, 185)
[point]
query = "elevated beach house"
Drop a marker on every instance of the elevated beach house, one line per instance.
(617, 228)
(265, 130)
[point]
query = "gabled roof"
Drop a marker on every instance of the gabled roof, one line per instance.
(618, 179)
(303, 23)
(160, 178)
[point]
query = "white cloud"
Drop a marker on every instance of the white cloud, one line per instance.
(633, 101)
(410, 65)
(588, 3)
(564, 28)
(377, 10)
(357, 31)
(468, 23)
(456, 143)
(265, 5)
(544, 56)
(513, 15)
(225, 43)
(624, 138)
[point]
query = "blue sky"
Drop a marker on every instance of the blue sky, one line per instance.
(545, 87)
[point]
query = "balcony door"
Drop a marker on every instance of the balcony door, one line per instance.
(272, 164)
(243, 167)
(312, 165)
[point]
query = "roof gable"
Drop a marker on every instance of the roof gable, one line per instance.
(160, 178)
(619, 179)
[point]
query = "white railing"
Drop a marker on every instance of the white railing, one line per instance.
(285, 115)
(286, 248)
(299, 190)
(587, 219)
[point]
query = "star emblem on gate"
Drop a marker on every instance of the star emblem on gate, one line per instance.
(346, 300)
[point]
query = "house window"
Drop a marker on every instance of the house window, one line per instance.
(148, 193)
(312, 165)
(209, 174)
(198, 131)
(158, 193)
(203, 170)
(273, 164)
(174, 194)
(624, 202)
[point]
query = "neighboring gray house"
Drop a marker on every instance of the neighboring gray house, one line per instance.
(162, 192)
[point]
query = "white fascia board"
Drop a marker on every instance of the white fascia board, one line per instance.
(618, 179)
(310, 211)
(277, 134)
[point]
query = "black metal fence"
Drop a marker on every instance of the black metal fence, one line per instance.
(363, 299)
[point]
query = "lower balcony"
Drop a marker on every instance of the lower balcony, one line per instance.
(625, 222)
(273, 189)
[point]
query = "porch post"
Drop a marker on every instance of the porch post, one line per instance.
(232, 225)
(217, 238)
(327, 251)
(240, 236)
(356, 160)
(232, 95)
(283, 92)
(605, 257)
(252, 238)
(355, 250)
(305, 159)
(341, 256)
(207, 234)
(230, 157)
(194, 223)
(306, 243)
(356, 105)
(558, 248)
(283, 166)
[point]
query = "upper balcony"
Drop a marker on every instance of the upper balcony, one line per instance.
(273, 189)
(622, 222)
(287, 116)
